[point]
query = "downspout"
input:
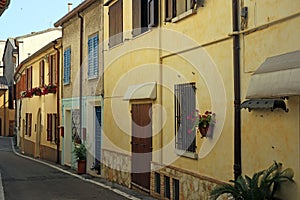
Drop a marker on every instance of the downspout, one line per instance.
(4, 109)
(160, 92)
(237, 91)
(102, 90)
(57, 101)
(80, 74)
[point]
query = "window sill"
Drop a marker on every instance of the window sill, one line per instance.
(92, 78)
(115, 46)
(184, 15)
(141, 34)
(186, 154)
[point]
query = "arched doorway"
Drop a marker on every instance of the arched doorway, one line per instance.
(38, 133)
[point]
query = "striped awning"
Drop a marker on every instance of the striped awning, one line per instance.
(278, 76)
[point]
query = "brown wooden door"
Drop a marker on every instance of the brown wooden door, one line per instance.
(141, 145)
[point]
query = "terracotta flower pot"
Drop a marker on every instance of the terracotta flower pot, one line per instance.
(81, 166)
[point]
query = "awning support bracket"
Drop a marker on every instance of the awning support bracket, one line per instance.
(271, 104)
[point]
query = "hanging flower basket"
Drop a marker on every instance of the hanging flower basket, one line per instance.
(203, 130)
(204, 122)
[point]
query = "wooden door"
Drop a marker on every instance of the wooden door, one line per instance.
(141, 145)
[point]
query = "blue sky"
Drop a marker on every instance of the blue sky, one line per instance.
(26, 16)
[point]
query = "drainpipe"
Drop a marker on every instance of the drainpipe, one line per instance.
(4, 109)
(57, 100)
(237, 91)
(80, 74)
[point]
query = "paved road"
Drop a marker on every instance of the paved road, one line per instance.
(24, 179)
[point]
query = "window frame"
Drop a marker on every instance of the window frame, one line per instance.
(28, 127)
(29, 78)
(42, 73)
(115, 32)
(172, 8)
(67, 66)
(93, 56)
(52, 70)
(184, 140)
(52, 127)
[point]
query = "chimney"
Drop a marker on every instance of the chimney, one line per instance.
(70, 6)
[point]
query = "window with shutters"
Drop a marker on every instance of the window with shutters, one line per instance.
(52, 132)
(144, 15)
(28, 124)
(116, 23)
(29, 78)
(52, 68)
(93, 57)
(185, 105)
(42, 72)
(67, 66)
(174, 8)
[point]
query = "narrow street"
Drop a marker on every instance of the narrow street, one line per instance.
(24, 179)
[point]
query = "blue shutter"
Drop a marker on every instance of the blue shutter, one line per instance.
(67, 65)
(93, 57)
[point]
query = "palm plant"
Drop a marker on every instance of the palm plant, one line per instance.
(262, 186)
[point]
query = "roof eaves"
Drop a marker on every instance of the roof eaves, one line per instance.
(74, 12)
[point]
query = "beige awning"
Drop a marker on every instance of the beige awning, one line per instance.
(278, 76)
(141, 91)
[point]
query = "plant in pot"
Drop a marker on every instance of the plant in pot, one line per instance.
(202, 122)
(263, 185)
(80, 153)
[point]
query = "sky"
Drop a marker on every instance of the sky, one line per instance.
(25, 16)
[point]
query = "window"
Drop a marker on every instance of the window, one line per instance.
(157, 182)
(93, 56)
(167, 187)
(28, 124)
(52, 70)
(29, 78)
(52, 127)
(116, 23)
(175, 189)
(177, 7)
(144, 15)
(185, 98)
(42, 72)
(67, 66)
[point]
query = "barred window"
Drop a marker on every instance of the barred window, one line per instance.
(185, 99)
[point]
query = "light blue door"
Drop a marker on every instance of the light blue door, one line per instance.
(98, 138)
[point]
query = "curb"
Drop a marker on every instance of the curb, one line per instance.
(119, 192)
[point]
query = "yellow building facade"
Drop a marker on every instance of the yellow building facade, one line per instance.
(156, 77)
(38, 92)
(82, 82)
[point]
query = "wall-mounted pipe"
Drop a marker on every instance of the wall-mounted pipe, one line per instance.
(80, 74)
(57, 100)
(237, 166)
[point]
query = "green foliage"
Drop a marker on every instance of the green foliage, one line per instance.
(262, 186)
(80, 151)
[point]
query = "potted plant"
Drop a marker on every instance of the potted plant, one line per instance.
(49, 89)
(202, 122)
(80, 154)
(262, 186)
(27, 93)
(36, 91)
